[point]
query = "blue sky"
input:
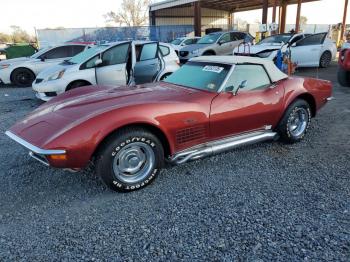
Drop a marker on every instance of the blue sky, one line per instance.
(83, 13)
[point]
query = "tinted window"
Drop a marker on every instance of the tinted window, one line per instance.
(225, 38)
(204, 76)
(255, 75)
(90, 63)
(209, 39)
(164, 50)
(58, 52)
(237, 36)
(149, 51)
(284, 38)
(76, 49)
(188, 42)
(116, 55)
(312, 40)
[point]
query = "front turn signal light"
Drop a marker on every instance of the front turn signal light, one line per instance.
(58, 157)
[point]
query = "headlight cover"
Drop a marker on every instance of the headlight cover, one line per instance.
(4, 66)
(265, 54)
(56, 75)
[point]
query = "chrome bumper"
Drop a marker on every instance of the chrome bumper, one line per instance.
(330, 98)
(34, 151)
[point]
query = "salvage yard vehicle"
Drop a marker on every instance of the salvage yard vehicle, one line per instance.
(210, 105)
(180, 42)
(122, 63)
(344, 65)
(307, 50)
(218, 43)
(22, 71)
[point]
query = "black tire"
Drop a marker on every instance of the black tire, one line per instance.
(343, 77)
(22, 77)
(286, 129)
(326, 59)
(123, 151)
(209, 53)
(76, 84)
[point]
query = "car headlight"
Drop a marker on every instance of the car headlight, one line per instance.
(195, 52)
(264, 54)
(4, 66)
(57, 75)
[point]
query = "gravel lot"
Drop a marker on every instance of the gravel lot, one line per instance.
(260, 203)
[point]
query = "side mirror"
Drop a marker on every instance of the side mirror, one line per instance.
(98, 62)
(243, 84)
(220, 42)
(42, 58)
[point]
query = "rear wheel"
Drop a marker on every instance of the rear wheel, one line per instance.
(325, 59)
(130, 159)
(343, 77)
(295, 122)
(22, 77)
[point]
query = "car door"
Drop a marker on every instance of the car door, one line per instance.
(53, 56)
(255, 107)
(225, 44)
(116, 65)
(307, 52)
(148, 63)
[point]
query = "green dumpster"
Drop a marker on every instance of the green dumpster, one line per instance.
(19, 50)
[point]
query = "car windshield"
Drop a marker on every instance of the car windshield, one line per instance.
(40, 52)
(200, 75)
(209, 39)
(276, 39)
(83, 56)
(176, 41)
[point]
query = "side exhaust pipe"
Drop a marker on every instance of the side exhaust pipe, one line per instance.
(221, 146)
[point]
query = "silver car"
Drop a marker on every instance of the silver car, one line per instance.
(218, 43)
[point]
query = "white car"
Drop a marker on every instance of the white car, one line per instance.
(123, 63)
(180, 42)
(307, 50)
(218, 43)
(22, 71)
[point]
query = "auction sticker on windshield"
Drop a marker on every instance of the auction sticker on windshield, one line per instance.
(214, 69)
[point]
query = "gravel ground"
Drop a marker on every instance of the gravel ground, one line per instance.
(260, 203)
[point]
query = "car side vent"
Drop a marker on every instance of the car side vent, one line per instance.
(190, 134)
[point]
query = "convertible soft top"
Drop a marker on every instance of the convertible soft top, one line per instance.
(274, 73)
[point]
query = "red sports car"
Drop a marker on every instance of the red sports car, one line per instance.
(210, 105)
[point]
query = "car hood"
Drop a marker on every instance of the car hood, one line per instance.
(46, 73)
(15, 61)
(255, 49)
(190, 48)
(79, 105)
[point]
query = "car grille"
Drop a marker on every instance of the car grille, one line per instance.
(50, 94)
(183, 53)
(38, 80)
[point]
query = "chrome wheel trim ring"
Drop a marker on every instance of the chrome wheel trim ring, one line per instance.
(134, 162)
(298, 121)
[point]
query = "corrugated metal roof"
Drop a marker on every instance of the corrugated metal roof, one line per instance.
(228, 5)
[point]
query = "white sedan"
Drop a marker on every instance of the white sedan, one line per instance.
(123, 63)
(22, 71)
(307, 50)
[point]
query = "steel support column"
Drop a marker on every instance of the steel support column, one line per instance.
(197, 19)
(344, 19)
(152, 17)
(274, 11)
(297, 22)
(284, 6)
(264, 15)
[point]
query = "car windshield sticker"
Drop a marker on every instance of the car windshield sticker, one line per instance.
(214, 69)
(211, 86)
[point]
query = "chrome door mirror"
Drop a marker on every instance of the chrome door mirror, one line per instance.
(243, 84)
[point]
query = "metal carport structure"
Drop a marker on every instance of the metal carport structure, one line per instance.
(225, 9)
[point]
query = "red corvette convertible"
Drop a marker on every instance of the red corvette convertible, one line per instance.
(211, 105)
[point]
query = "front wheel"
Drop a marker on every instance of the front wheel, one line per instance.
(130, 159)
(343, 77)
(295, 122)
(22, 77)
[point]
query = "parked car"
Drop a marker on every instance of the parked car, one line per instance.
(307, 50)
(218, 43)
(210, 105)
(111, 64)
(180, 42)
(344, 65)
(22, 71)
